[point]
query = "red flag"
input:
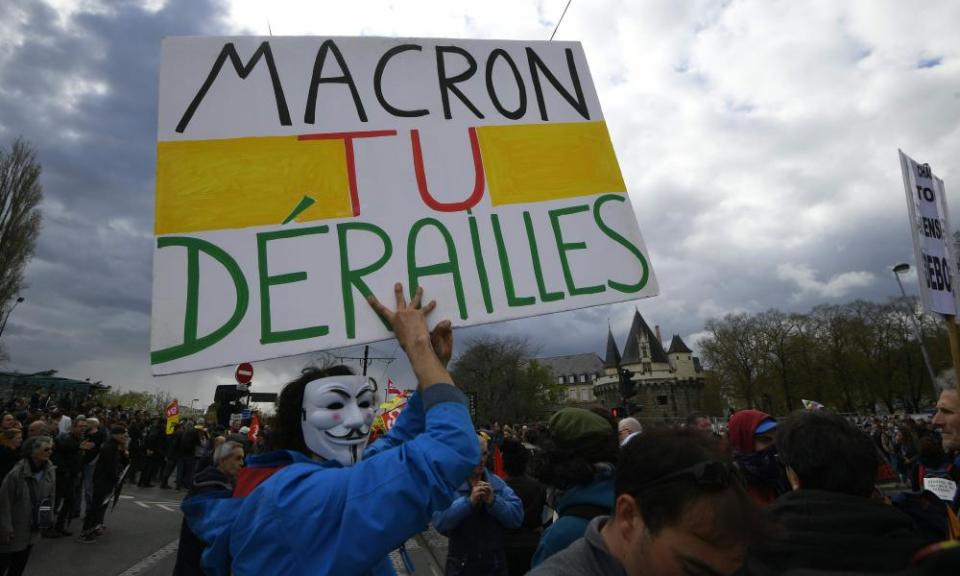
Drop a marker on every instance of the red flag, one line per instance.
(254, 428)
(391, 389)
(498, 468)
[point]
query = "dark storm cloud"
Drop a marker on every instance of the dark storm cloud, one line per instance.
(84, 94)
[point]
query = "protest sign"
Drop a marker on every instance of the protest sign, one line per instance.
(932, 239)
(944, 488)
(295, 176)
(172, 412)
(389, 412)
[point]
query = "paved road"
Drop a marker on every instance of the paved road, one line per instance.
(141, 540)
(144, 521)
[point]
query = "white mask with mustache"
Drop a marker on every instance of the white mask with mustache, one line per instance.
(336, 417)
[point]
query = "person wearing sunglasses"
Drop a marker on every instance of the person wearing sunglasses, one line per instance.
(681, 508)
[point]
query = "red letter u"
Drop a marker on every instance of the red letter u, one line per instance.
(478, 182)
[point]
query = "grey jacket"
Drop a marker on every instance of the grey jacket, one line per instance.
(587, 556)
(16, 505)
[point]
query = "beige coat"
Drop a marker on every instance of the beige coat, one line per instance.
(16, 508)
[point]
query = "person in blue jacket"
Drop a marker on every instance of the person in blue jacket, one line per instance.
(476, 523)
(325, 511)
(578, 464)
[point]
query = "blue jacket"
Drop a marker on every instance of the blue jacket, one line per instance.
(568, 528)
(321, 518)
(476, 532)
(506, 507)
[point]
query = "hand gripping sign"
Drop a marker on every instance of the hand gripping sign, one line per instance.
(295, 176)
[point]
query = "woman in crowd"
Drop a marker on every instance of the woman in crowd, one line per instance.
(26, 504)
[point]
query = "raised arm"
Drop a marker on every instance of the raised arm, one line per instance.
(409, 323)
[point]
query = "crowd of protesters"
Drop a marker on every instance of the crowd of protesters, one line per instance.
(751, 495)
(64, 459)
(581, 494)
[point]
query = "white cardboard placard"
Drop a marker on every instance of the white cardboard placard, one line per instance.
(288, 186)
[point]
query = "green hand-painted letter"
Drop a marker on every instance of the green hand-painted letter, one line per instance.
(191, 343)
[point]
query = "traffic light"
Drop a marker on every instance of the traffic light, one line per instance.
(628, 388)
(227, 398)
(616, 413)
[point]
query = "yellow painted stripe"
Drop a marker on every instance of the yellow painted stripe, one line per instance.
(241, 182)
(539, 162)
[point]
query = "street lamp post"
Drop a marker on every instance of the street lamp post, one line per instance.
(7, 316)
(917, 329)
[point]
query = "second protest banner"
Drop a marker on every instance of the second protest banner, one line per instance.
(932, 239)
(295, 176)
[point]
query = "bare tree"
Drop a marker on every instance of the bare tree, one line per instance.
(510, 385)
(735, 349)
(20, 196)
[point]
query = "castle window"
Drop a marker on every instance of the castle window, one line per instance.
(646, 367)
(561, 380)
(661, 400)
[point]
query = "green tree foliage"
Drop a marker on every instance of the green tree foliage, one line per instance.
(133, 400)
(847, 356)
(509, 385)
(20, 196)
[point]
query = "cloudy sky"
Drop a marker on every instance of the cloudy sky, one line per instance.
(758, 140)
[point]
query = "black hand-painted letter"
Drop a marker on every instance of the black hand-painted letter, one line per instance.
(329, 46)
(378, 82)
(449, 84)
(242, 70)
(579, 103)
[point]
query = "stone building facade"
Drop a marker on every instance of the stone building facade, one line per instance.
(577, 373)
(669, 381)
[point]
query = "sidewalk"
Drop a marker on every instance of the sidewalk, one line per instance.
(427, 552)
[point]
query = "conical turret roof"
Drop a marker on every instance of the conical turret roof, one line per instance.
(613, 353)
(631, 351)
(677, 346)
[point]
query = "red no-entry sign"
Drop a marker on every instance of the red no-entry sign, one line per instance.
(244, 373)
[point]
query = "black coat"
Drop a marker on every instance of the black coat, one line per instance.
(533, 494)
(109, 467)
(828, 531)
(98, 438)
(187, 443)
(191, 548)
(8, 459)
(67, 455)
(155, 440)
